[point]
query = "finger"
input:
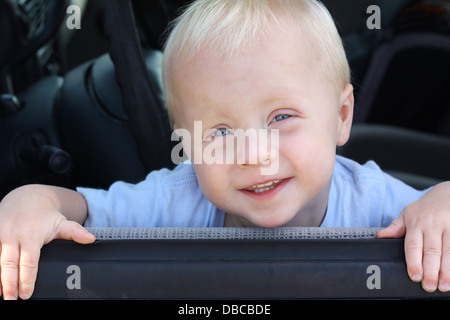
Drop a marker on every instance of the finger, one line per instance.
(71, 230)
(432, 254)
(9, 262)
(28, 267)
(444, 276)
(414, 253)
(396, 229)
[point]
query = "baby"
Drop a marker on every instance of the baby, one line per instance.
(259, 91)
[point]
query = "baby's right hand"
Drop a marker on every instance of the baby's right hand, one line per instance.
(30, 218)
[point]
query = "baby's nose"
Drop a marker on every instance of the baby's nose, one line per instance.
(259, 149)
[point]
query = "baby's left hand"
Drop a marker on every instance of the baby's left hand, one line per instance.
(426, 224)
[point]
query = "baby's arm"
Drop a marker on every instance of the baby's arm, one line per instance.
(30, 217)
(426, 227)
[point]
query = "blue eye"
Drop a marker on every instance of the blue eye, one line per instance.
(221, 132)
(281, 117)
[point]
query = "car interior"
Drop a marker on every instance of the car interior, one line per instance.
(85, 107)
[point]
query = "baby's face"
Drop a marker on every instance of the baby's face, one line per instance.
(277, 90)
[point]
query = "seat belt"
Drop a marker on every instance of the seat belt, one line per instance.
(147, 116)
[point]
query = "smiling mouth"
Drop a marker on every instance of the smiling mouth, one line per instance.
(260, 188)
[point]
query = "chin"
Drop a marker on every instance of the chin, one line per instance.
(271, 222)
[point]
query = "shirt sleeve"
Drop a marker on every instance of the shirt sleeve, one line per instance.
(398, 195)
(365, 196)
(166, 198)
(125, 204)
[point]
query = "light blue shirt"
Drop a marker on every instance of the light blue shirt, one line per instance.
(365, 196)
(360, 196)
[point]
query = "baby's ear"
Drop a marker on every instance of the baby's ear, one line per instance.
(345, 116)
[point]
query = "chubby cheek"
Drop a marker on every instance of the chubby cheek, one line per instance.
(312, 159)
(214, 181)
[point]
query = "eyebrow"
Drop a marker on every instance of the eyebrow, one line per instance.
(293, 100)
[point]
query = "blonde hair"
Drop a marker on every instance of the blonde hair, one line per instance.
(228, 28)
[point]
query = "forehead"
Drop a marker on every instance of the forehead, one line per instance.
(281, 58)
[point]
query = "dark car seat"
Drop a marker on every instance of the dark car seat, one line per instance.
(409, 75)
(421, 63)
(417, 158)
(96, 129)
(360, 41)
(112, 109)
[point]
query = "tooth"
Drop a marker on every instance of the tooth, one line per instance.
(264, 185)
(268, 184)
